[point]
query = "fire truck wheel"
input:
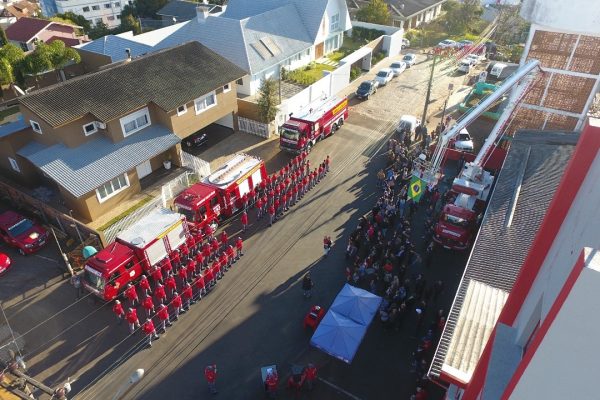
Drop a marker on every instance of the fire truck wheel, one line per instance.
(341, 121)
(333, 129)
(309, 147)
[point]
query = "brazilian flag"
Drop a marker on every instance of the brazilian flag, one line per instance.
(415, 189)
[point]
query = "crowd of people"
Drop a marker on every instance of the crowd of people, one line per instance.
(386, 257)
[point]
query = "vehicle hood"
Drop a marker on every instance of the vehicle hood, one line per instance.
(32, 235)
(453, 232)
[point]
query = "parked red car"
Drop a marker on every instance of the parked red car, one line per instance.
(314, 317)
(22, 233)
(5, 263)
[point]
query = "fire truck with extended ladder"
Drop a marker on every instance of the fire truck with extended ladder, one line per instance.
(315, 122)
(468, 195)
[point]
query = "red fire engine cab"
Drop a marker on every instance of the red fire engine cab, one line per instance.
(219, 196)
(315, 122)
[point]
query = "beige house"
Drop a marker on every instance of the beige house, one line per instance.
(94, 137)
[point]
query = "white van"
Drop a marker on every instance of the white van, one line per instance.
(464, 66)
(497, 70)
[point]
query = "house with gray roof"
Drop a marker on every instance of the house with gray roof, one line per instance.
(94, 137)
(406, 14)
(261, 36)
(184, 10)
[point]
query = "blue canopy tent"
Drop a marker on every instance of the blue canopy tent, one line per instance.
(338, 336)
(342, 329)
(357, 304)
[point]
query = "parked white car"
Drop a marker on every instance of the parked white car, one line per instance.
(407, 124)
(475, 58)
(409, 59)
(464, 141)
(384, 76)
(465, 65)
(398, 67)
(444, 44)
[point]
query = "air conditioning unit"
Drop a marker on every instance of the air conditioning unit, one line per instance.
(100, 125)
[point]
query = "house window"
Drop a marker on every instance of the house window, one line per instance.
(110, 18)
(98, 21)
(95, 8)
(90, 129)
(13, 164)
(107, 5)
(134, 122)
(181, 110)
(112, 187)
(35, 126)
(226, 88)
(204, 103)
(240, 81)
(86, 9)
(117, 5)
(334, 23)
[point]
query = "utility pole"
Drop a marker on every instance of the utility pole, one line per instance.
(427, 97)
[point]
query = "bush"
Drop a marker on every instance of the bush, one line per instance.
(366, 34)
(377, 57)
(355, 72)
(300, 76)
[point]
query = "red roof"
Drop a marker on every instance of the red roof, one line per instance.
(25, 29)
(70, 42)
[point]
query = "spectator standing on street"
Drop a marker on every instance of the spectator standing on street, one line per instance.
(307, 285)
(311, 374)
(244, 220)
(118, 310)
(150, 331)
(210, 373)
(132, 320)
(76, 282)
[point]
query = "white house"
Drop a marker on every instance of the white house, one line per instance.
(260, 36)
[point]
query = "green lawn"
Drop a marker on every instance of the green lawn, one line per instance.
(125, 213)
(309, 74)
(8, 111)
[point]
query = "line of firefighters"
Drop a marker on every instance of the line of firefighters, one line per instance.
(193, 269)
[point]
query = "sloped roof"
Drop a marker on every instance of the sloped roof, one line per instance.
(114, 46)
(405, 8)
(167, 78)
(82, 169)
(524, 188)
(12, 127)
(68, 41)
(26, 28)
(183, 10)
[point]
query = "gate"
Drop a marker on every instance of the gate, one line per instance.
(253, 127)
(198, 165)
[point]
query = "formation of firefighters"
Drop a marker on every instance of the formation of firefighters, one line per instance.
(194, 269)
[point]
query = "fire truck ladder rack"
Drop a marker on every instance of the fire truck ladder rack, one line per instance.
(235, 168)
(429, 171)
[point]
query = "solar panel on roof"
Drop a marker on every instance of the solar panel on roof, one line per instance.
(262, 50)
(270, 45)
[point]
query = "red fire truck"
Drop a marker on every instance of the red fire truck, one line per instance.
(316, 122)
(219, 196)
(134, 252)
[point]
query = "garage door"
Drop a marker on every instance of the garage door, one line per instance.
(226, 121)
(144, 169)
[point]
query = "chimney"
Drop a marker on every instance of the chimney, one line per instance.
(202, 12)
(128, 52)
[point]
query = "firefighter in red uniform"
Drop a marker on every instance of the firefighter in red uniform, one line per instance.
(244, 220)
(185, 252)
(311, 375)
(187, 295)
(149, 330)
(160, 293)
(209, 231)
(131, 295)
(321, 172)
(271, 382)
(176, 302)
(210, 373)
(118, 310)
(206, 254)
(216, 268)
(132, 320)
(271, 196)
(263, 184)
(259, 208)
(200, 285)
(170, 284)
(191, 245)
(145, 285)
(239, 244)
(224, 260)
(183, 275)
(327, 161)
(198, 239)
(157, 276)
(166, 266)
(251, 197)
(199, 261)
(230, 256)
(294, 194)
(209, 278)
(191, 268)
(276, 206)
(214, 248)
(163, 316)
(148, 306)
(175, 259)
(271, 215)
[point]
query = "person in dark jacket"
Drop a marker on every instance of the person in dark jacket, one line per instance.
(307, 285)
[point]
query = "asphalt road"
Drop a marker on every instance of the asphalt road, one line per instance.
(254, 316)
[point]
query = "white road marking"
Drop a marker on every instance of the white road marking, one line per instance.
(339, 389)
(46, 258)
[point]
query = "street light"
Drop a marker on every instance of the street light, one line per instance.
(134, 378)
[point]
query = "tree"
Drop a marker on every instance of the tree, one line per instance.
(76, 19)
(511, 28)
(10, 59)
(148, 8)
(98, 30)
(268, 99)
(3, 38)
(49, 57)
(130, 23)
(376, 12)
(461, 17)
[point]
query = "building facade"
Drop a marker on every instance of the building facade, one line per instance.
(406, 14)
(107, 11)
(93, 138)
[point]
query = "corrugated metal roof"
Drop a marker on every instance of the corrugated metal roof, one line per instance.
(181, 10)
(114, 46)
(82, 169)
(535, 162)
(12, 127)
(167, 78)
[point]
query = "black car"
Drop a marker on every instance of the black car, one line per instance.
(366, 89)
(196, 140)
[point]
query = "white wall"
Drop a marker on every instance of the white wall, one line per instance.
(333, 7)
(104, 13)
(389, 30)
(572, 16)
(392, 44)
(580, 229)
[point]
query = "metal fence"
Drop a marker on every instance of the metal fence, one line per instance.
(253, 127)
(198, 165)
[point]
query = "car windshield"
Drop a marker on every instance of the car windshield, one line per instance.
(365, 86)
(454, 220)
(407, 57)
(382, 74)
(289, 134)
(20, 227)
(396, 65)
(463, 137)
(189, 214)
(93, 279)
(446, 42)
